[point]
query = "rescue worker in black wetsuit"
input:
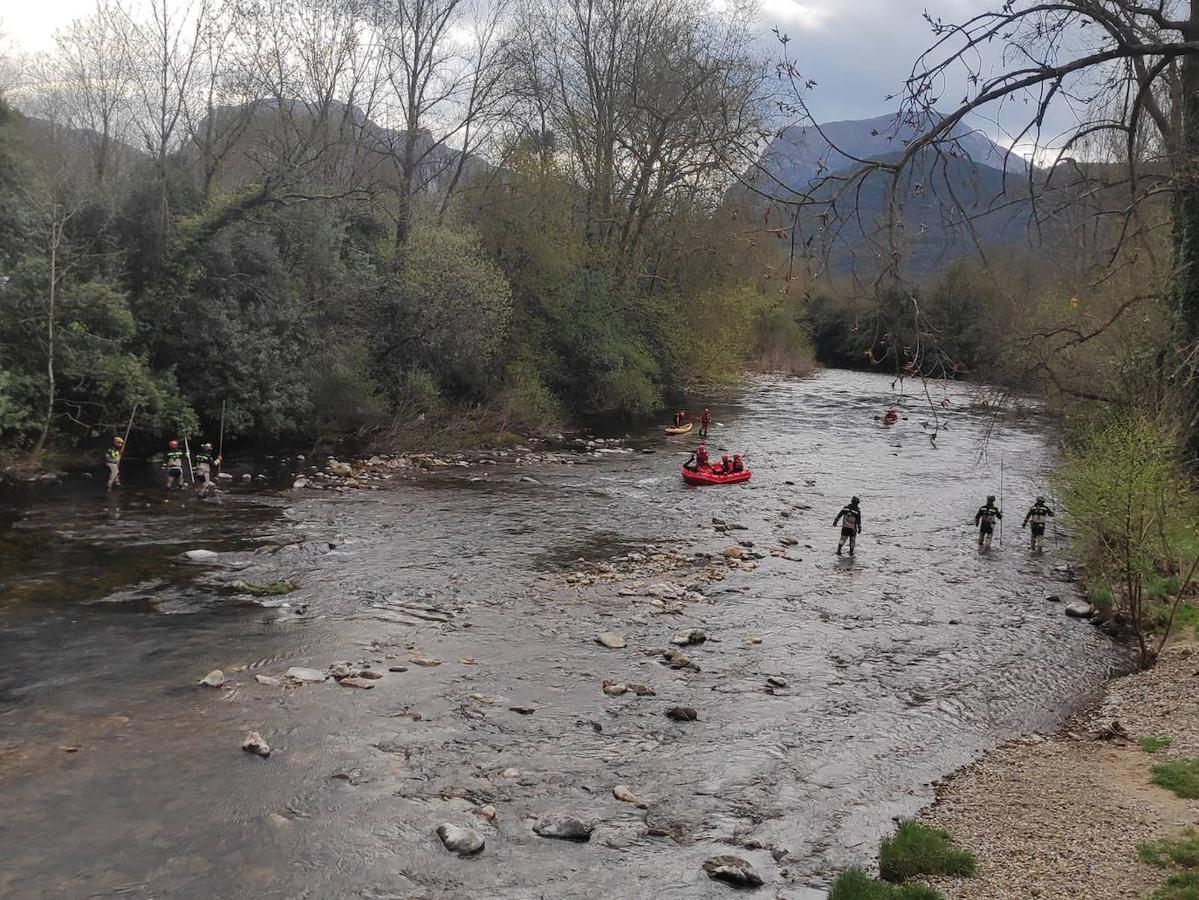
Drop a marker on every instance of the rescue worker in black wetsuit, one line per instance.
(1037, 515)
(205, 461)
(986, 517)
(850, 519)
(174, 465)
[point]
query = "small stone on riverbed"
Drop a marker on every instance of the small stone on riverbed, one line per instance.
(255, 744)
(357, 682)
(611, 640)
(268, 680)
(624, 794)
(201, 555)
(463, 841)
(424, 661)
(688, 636)
(214, 679)
(775, 681)
(682, 714)
(565, 828)
(732, 870)
(301, 675)
(615, 688)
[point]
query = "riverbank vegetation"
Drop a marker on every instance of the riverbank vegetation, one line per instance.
(337, 221)
(914, 851)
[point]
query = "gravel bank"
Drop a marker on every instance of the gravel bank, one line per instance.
(1061, 817)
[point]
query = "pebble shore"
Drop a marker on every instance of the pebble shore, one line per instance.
(1060, 817)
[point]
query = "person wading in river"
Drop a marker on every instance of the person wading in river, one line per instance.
(986, 517)
(205, 460)
(112, 459)
(1037, 515)
(174, 465)
(705, 422)
(850, 519)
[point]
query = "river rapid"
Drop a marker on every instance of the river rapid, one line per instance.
(121, 776)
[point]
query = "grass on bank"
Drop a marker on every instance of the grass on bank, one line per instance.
(1180, 776)
(1153, 743)
(1180, 852)
(916, 849)
(855, 884)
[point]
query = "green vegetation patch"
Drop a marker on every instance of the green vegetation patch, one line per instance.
(1182, 851)
(916, 849)
(1153, 743)
(855, 884)
(1180, 886)
(1180, 776)
(267, 589)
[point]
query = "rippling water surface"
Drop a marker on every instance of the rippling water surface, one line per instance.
(119, 776)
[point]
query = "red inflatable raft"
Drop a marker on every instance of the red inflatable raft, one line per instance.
(705, 475)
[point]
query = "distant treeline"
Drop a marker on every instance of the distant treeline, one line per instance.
(334, 219)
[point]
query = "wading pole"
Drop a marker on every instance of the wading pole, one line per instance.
(191, 473)
(1001, 499)
(129, 428)
(220, 447)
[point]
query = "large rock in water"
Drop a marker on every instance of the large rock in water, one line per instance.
(305, 676)
(565, 828)
(201, 555)
(463, 841)
(733, 870)
(1080, 609)
(610, 639)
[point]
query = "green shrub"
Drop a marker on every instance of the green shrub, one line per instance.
(1151, 743)
(916, 849)
(1180, 776)
(1182, 851)
(855, 884)
(1180, 886)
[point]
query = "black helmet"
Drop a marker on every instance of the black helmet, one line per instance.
(1040, 498)
(854, 502)
(990, 498)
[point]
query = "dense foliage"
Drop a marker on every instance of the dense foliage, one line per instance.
(533, 224)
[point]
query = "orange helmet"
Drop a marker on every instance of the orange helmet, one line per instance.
(173, 445)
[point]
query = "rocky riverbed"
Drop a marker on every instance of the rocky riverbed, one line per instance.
(571, 676)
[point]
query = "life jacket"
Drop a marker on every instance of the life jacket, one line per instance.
(738, 465)
(987, 515)
(174, 459)
(203, 458)
(1038, 513)
(701, 456)
(113, 455)
(706, 417)
(849, 517)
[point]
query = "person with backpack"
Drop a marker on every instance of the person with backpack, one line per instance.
(986, 517)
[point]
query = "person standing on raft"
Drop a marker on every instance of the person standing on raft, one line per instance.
(1037, 515)
(850, 519)
(705, 422)
(986, 517)
(678, 419)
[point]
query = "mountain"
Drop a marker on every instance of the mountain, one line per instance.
(966, 189)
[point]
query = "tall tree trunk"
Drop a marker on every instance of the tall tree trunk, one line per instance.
(38, 448)
(1186, 223)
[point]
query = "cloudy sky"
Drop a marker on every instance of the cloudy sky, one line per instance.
(857, 50)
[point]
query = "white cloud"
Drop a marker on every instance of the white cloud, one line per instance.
(796, 14)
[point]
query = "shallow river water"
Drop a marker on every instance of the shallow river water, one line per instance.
(120, 776)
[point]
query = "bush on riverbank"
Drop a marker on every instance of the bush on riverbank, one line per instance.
(1180, 853)
(916, 849)
(1136, 522)
(855, 884)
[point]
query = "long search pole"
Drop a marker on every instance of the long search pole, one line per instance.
(1001, 482)
(129, 428)
(220, 447)
(191, 473)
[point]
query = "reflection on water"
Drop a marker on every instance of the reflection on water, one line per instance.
(120, 775)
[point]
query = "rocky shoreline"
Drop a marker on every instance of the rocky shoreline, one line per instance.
(1060, 817)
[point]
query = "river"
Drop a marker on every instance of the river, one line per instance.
(120, 776)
